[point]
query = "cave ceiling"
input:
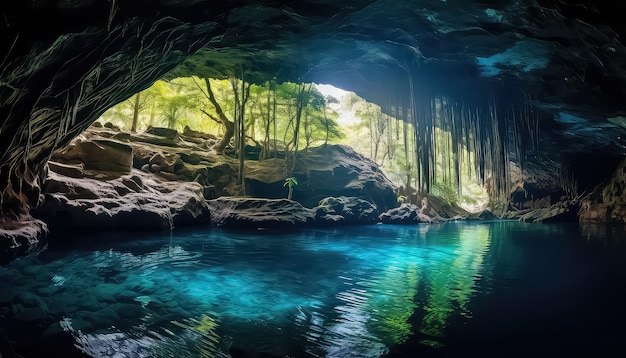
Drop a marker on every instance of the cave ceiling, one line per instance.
(568, 58)
(63, 63)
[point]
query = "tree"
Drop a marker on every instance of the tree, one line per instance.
(136, 108)
(173, 107)
(290, 182)
(241, 89)
(327, 122)
(229, 126)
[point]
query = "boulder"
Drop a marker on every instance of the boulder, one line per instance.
(405, 214)
(324, 171)
(430, 209)
(20, 236)
(135, 201)
(345, 210)
(168, 133)
(438, 208)
(98, 154)
(483, 215)
(70, 170)
(255, 213)
(607, 202)
(188, 132)
(562, 211)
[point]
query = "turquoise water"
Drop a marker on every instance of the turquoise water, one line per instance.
(489, 288)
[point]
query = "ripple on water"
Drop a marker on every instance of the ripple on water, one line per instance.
(357, 292)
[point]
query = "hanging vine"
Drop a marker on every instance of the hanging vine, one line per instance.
(486, 131)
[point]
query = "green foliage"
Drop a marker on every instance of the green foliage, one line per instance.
(290, 182)
(382, 138)
(446, 191)
(270, 116)
(181, 102)
(173, 108)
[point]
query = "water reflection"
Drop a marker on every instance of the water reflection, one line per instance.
(346, 293)
(432, 274)
(354, 292)
(452, 281)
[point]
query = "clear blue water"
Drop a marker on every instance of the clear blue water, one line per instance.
(490, 288)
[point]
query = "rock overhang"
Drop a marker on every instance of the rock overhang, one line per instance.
(454, 45)
(340, 42)
(65, 62)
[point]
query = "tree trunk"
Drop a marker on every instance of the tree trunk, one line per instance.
(152, 114)
(266, 142)
(274, 122)
(325, 123)
(229, 127)
(296, 132)
(133, 127)
(241, 98)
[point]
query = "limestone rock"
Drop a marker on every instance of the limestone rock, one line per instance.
(345, 210)
(405, 214)
(564, 211)
(134, 201)
(430, 209)
(168, 133)
(324, 171)
(437, 208)
(253, 213)
(20, 236)
(534, 188)
(482, 215)
(607, 203)
(102, 155)
(70, 170)
(190, 133)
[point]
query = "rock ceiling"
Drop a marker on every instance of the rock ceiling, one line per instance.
(63, 63)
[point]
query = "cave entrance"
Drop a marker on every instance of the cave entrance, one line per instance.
(328, 115)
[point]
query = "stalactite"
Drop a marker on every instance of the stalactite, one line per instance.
(407, 159)
(485, 133)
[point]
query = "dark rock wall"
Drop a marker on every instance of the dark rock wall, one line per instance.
(64, 67)
(64, 63)
(607, 203)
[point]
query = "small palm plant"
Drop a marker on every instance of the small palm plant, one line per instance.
(290, 182)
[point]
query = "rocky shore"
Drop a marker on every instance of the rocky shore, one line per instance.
(161, 179)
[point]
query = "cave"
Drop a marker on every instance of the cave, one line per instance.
(536, 88)
(534, 84)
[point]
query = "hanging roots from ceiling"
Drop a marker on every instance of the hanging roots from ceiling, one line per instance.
(488, 129)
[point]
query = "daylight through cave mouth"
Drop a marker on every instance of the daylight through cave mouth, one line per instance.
(492, 75)
(329, 115)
